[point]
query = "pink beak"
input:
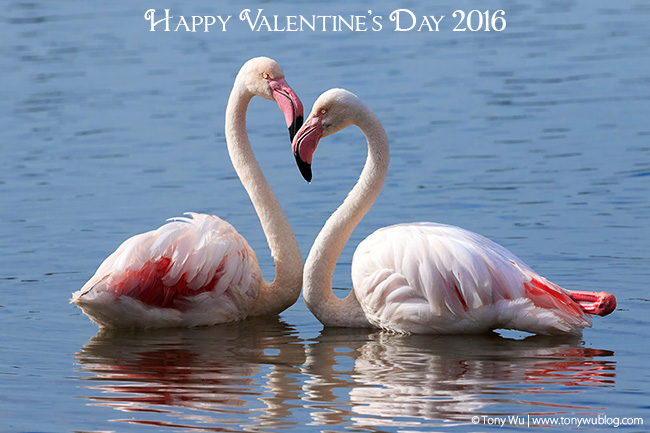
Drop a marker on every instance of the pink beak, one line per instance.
(305, 143)
(289, 104)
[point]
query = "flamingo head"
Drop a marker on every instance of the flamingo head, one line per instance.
(265, 78)
(334, 110)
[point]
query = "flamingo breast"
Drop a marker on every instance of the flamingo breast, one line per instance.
(192, 271)
(434, 278)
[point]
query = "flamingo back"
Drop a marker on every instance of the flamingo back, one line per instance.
(435, 278)
(192, 271)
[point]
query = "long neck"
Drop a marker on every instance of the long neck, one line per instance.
(278, 295)
(320, 265)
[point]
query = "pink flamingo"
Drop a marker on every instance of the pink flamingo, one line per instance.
(198, 270)
(425, 277)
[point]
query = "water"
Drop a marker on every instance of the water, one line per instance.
(536, 136)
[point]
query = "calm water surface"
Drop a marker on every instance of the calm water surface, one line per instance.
(536, 136)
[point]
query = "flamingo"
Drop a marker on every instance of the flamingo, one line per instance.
(198, 270)
(422, 278)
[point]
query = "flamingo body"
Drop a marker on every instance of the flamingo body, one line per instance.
(198, 270)
(423, 278)
(435, 278)
(192, 271)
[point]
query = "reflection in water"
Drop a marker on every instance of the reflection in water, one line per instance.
(195, 378)
(405, 380)
(259, 375)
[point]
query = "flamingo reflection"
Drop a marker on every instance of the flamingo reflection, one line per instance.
(196, 378)
(427, 381)
(259, 375)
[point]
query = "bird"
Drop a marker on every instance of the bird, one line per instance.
(197, 270)
(421, 278)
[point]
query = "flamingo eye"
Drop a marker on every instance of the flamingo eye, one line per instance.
(265, 75)
(323, 111)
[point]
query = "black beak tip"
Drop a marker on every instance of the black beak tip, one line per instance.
(295, 127)
(304, 167)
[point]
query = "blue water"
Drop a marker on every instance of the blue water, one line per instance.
(536, 137)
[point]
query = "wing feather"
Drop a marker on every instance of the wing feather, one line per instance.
(427, 276)
(194, 256)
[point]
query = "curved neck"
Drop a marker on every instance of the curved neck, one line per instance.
(320, 265)
(280, 294)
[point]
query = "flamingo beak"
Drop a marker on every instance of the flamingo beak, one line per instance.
(305, 143)
(289, 103)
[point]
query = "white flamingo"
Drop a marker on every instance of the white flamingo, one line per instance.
(198, 270)
(424, 277)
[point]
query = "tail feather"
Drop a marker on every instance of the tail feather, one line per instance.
(548, 295)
